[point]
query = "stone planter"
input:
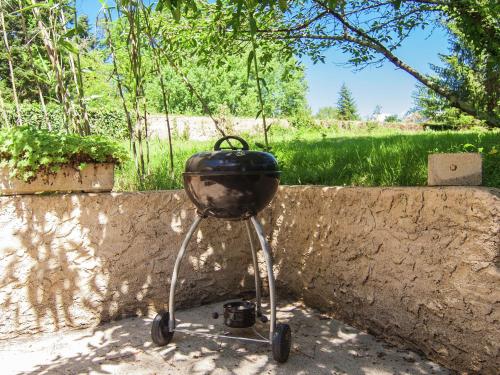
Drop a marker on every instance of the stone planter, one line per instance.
(454, 169)
(94, 178)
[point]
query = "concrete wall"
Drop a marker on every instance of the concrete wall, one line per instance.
(77, 259)
(419, 266)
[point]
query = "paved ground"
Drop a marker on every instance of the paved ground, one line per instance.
(320, 346)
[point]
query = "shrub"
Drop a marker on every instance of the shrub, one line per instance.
(108, 122)
(26, 151)
(103, 121)
(392, 118)
(303, 120)
(371, 126)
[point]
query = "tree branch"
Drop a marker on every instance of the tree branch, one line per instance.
(374, 44)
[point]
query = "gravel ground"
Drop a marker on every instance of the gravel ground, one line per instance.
(320, 346)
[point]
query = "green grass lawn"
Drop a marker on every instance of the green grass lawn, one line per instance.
(379, 158)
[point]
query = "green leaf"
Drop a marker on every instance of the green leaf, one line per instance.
(264, 83)
(30, 7)
(68, 46)
(397, 4)
(332, 4)
(250, 58)
(253, 25)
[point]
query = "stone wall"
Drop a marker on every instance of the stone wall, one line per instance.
(202, 127)
(418, 266)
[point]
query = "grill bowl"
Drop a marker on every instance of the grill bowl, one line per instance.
(231, 184)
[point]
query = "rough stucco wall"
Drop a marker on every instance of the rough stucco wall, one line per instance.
(77, 259)
(419, 266)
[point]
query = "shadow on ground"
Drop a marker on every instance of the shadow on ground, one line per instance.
(320, 346)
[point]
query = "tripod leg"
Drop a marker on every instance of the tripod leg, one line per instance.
(255, 269)
(270, 275)
(180, 255)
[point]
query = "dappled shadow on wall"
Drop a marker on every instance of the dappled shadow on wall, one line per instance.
(75, 260)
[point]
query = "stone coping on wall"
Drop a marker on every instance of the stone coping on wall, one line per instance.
(418, 266)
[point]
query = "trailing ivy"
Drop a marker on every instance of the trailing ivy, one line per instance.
(27, 151)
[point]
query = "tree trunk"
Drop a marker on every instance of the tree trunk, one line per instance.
(135, 64)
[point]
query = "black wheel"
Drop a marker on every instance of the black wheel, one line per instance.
(282, 342)
(159, 330)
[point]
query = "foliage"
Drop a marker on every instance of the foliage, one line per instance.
(327, 113)
(27, 151)
(228, 85)
(392, 118)
(346, 106)
(438, 110)
(471, 76)
(367, 31)
(302, 120)
(30, 59)
(103, 121)
(331, 157)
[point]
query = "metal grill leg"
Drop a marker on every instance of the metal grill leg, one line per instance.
(270, 275)
(255, 269)
(180, 255)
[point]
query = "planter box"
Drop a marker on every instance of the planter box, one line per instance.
(454, 169)
(92, 179)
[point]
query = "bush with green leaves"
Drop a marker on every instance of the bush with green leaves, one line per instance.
(303, 120)
(103, 121)
(27, 151)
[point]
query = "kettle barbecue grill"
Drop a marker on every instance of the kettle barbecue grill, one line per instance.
(231, 184)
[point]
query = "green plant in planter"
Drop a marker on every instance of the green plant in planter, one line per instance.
(27, 151)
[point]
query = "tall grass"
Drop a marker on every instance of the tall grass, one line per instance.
(329, 157)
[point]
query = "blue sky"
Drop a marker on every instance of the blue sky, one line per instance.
(387, 86)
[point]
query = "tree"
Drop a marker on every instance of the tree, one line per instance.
(392, 118)
(369, 31)
(434, 108)
(327, 113)
(376, 112)
(10, 63)
(474, 77)
(346, 106)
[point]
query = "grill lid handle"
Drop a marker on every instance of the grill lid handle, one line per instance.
(244, 144)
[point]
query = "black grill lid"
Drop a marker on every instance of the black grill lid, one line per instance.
(231, 161)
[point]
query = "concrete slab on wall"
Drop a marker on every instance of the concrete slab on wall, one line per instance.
(462, 169)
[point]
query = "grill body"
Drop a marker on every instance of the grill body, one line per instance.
(231, 184)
